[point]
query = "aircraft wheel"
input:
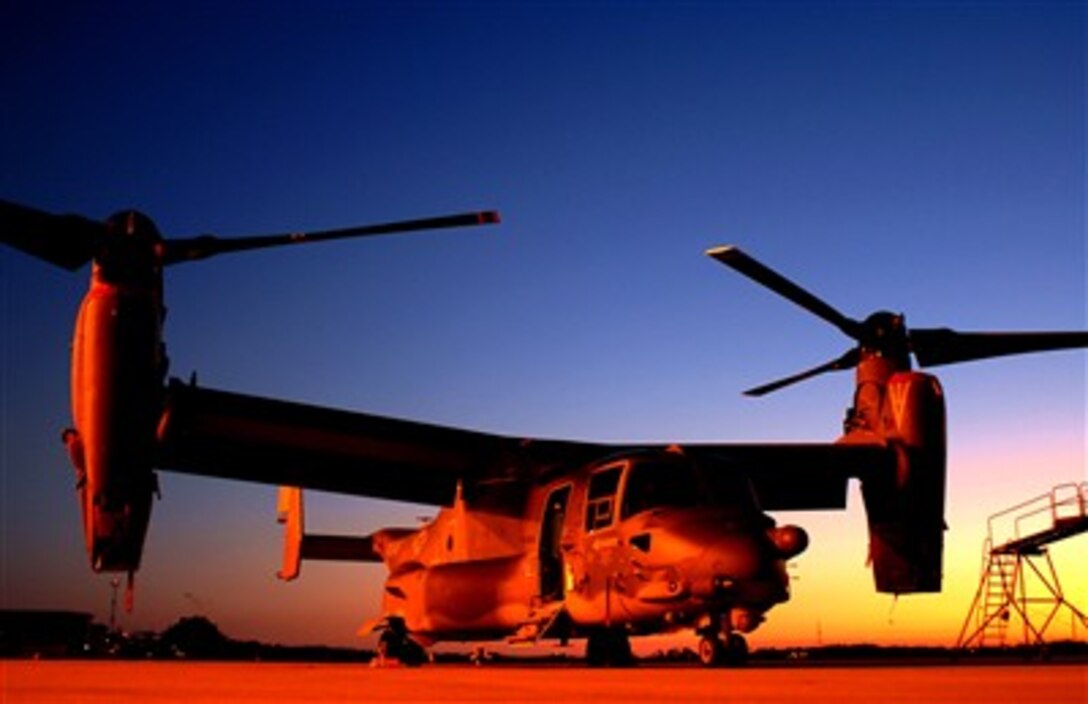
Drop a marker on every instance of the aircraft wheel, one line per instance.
(609, 647)
(620, 652)
(717, 651)
(736, 649)
(711, 651)
(412, 653)
(398, 646)
(595, 649)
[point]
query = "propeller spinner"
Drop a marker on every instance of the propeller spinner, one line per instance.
(885, 334)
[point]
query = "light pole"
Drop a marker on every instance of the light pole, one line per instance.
(114, 584)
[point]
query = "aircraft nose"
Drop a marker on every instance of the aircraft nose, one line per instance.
(741, 567)
(732, 557)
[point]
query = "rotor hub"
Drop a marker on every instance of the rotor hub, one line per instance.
(885, 334)
(884, 343)
(131, 251)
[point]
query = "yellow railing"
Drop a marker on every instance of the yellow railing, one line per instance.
(1064, 503)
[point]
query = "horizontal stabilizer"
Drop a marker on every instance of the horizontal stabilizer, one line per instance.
(341, 548)
(298, 546)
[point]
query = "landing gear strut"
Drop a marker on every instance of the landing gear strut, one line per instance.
(609, 647)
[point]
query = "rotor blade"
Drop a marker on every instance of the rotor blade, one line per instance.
(847, 361)
(737, 260)
(935, 346)
(69, 241)
(188, 249)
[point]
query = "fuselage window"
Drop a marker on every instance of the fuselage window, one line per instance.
(601, 498)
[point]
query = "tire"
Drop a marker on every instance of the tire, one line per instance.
(711, 651)
(609, 647)
(736, 650)
(401, 648)
(596, 649)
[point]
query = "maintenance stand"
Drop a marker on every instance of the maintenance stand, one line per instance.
(1003, 589)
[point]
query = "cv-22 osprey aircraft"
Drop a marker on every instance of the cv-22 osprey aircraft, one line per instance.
(533, 539)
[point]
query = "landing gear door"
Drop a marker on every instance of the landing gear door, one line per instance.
(551, 535)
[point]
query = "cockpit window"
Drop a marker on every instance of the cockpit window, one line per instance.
(601, 499)
(731, 488)
(660, 485)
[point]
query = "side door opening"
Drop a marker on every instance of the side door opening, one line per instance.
(550, 550)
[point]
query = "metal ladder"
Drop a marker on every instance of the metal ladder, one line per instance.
(998, 581)
(1003, 591)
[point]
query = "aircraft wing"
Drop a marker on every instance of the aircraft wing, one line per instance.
(798, 476)
(235, 436)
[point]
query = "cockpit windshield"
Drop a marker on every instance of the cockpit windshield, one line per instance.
(660, 484)
(668, 483)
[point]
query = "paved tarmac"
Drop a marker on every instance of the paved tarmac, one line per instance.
(111, 681)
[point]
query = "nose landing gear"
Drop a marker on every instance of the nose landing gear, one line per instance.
(717, 649)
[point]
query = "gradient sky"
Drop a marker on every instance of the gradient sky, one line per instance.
(926, 157)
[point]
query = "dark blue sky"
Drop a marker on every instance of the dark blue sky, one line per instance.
(925, 157)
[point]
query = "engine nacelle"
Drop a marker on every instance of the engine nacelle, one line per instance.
(906, 510)
(117, 369)
(114, 535)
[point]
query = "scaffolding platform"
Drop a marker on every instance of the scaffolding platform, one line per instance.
(1016, 542)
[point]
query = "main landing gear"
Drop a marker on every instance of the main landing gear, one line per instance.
(395, 646)
(609, 647)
